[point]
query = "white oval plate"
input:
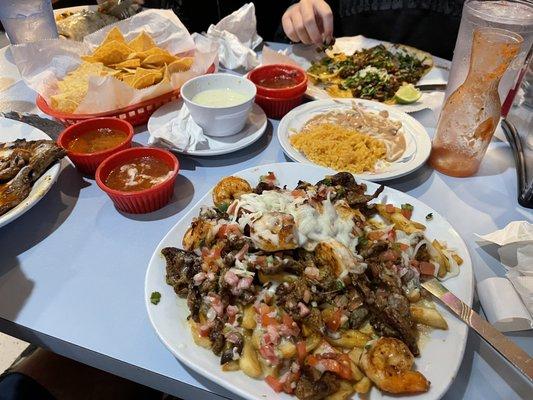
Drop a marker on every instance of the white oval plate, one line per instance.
(442, 352)
(418, 143)
(252, 131)
(11, 130)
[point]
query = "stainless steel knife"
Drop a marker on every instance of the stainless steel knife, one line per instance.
(507, 348)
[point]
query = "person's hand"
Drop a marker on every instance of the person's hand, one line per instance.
(309, 21)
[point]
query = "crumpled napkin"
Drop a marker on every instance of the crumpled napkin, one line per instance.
(508, 303)
(237, 36)
(182, 132)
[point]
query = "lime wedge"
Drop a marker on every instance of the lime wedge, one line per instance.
(407, 94)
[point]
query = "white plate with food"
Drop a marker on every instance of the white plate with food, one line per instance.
(372, 140)
(253, 129)
(319, 314)
(28, 167)
(360, 67)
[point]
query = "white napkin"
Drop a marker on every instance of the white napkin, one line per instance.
(237, 36)
(182, 132)
(508, 302)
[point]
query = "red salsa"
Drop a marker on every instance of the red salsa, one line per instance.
(97, 140)
(285, 79)
(138, 174)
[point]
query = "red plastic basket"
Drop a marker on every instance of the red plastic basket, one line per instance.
(136, 114)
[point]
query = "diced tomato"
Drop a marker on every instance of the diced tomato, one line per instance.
(374, 235)
(301, 348)
(274, 383)
(334, 322)
(427, 268)
(391, 236)
(298, 193)
(261, 261)
(287, 320)
(268, 353)
(389, 255)
(390, 208)
(407, 213)
(287, 385)
(227, 229)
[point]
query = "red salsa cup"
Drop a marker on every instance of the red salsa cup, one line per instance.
(142, 201)
(88, 162)
(292, 80)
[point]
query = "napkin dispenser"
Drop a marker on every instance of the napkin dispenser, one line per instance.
(518, 128)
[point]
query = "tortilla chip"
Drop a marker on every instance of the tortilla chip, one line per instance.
(141, 42)
(113, 34)
(158, 60)
(146, 77)
(131, 63)
(113, 52)
(181, 64)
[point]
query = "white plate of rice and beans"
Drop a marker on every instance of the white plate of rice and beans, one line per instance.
(371, 140)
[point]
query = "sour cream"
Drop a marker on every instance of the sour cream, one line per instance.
(312, 226)
(219, 98)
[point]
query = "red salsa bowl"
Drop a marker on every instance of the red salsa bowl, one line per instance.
(87, 162)
(141, 201)
(279, 80)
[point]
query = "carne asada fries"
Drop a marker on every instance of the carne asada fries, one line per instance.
(307, 287)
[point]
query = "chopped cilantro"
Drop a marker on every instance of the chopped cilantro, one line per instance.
(270, 260)
(223, 207)
(407, 206)
(368, 346)
(429, 217)
(326, 181)
(155, 298)
(363, 241)
(339, 285)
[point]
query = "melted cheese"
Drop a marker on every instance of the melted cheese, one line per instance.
(313, 225)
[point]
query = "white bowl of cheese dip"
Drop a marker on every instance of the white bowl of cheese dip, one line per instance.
(219, 103)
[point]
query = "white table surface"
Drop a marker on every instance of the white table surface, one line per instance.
(72, 268)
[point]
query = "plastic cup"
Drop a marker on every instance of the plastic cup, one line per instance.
(28, 20)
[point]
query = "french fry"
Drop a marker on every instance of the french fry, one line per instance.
(457, 258)
(230, 366)
(312, 342)
(198, 339)
(256, 339)
(363, 386)
(444, 263)
(355, 355)
(404, 224)
(367, 329)
(268, 369)
(248, 318)
(356, 372)
(350, 339)
(428, 316)
(248, 363)
(344, 392)
(287, 349)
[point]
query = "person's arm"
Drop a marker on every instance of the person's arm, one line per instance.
(309, 21)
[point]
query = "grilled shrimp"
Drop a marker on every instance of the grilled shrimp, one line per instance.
(201, 233)
(274, 231)
(229, 189)
(388, 363)
(338, 257)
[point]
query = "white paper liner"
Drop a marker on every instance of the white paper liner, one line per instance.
(42, 64)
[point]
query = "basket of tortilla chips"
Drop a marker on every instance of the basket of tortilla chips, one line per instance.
(125, 71)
